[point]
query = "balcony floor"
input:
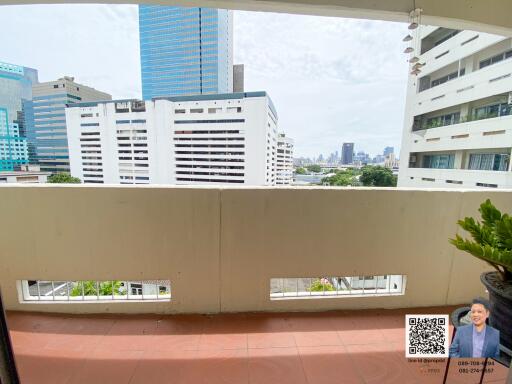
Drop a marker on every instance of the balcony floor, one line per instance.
(270, 348)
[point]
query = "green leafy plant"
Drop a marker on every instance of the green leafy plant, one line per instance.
(105, 288)
(63, 178)
(492, 239)
(321, 285)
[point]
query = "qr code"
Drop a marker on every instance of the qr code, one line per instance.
(426, 336)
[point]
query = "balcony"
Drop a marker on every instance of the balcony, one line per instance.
(330, 347)
(486, 82)
(220, 248)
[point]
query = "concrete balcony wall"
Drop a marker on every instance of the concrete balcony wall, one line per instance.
(479, 131)
(457, 48)
(472, 86)
(468, 177)
(220, 247)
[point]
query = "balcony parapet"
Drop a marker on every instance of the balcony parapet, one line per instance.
(220, 247)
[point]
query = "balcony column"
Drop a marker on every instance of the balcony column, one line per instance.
(464, 112)
(458, 160)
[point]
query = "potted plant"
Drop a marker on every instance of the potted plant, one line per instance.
(492, 242)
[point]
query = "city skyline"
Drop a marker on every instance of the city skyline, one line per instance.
(344, 101)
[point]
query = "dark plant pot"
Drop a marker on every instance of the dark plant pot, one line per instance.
(500, 297)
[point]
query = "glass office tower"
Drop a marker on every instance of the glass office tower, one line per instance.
(46, 120)
(15, 88)
(185, 51)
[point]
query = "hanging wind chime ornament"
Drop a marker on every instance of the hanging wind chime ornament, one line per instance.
(414, 24)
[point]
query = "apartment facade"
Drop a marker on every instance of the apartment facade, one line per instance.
(15, 87)
(185, 51)
(24, 174)
(223, 139)
(46, 120)
(458, 119)
(284, 170)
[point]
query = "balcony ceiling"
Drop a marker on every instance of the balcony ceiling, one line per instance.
(491, 16)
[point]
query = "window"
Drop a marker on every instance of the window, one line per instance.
(196, 110)
(93, 290)
(446, 78)
(438, 161)
(215, 110)
(491, 111)
(209, 121)
(179, 111)
(440, 121)
(329, 287)
(55, 86)
(489, 161)
(495, 59)
(448, 36)
(86, 115)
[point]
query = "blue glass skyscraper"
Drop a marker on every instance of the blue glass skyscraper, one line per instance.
(185, 51)
(15, 88)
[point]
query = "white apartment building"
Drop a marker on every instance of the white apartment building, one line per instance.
(458, 119)
(284, 175)
(206, 139)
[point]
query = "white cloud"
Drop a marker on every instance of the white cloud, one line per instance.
(331, 79)
(97, 44)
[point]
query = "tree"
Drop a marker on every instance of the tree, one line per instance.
(377, 176)
(343, 178)
(300, 171)
(63, 178)
(314, 168)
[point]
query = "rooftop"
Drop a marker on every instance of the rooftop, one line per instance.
(365, 346)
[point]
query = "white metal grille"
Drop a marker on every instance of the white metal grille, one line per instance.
(329, 287)
(94, 290)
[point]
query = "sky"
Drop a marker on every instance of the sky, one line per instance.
(332, 80)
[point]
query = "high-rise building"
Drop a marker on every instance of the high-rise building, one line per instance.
(347, 153)
(15, 87)
(284, 172)
(185, 51)
(205, 139)
(388, 151)
(238, 78)
(46, 120)
(458, 119)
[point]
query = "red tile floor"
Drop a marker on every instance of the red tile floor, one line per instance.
(272, 348)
